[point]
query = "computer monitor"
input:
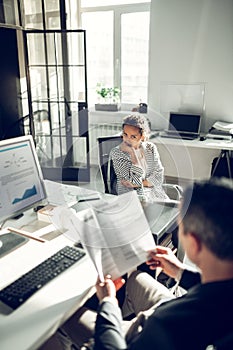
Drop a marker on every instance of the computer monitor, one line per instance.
(21, 179)
(185, 122)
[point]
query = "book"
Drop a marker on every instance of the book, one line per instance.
(114, 232)
(45, 213)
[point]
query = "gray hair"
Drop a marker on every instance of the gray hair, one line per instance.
(140, 122)
(207, 211)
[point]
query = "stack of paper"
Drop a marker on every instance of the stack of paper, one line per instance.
(224, 126)
(220, 131)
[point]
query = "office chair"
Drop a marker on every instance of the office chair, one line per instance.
(105, 145)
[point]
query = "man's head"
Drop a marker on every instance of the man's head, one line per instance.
(207, 214)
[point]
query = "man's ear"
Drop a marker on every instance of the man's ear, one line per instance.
(195, 243)
(192, 246)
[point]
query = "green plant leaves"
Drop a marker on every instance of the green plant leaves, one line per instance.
(108, 92)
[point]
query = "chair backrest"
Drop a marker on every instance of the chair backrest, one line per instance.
(106, 143)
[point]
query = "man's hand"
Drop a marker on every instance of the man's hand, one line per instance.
(164, 258)
(109, 287)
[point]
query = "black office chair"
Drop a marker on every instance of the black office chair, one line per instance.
(105, 145)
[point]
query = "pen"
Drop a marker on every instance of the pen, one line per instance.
(87, 199)
(25, 234)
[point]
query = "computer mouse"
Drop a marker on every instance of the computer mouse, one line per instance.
(202, 138)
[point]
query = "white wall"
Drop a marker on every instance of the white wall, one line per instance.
(191, 41)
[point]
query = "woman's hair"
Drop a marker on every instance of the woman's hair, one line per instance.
(140, 122)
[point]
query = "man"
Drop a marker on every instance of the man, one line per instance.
(203, 315)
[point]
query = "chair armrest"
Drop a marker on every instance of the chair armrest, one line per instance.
(176, 189)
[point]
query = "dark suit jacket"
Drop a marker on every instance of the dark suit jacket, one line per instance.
(191, 322)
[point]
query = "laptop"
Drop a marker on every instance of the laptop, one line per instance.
(183, 125)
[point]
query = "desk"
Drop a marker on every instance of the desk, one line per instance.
(36, 320)
(189, 159)
(161, 218)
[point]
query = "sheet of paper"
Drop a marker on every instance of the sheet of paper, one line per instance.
(91, 237)
(67, 195)
(116, 232)
(65, 220)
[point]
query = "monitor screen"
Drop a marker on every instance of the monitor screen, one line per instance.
(185, 122)
(21, 180)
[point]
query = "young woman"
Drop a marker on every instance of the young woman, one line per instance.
(136, 161)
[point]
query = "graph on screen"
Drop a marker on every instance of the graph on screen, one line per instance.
(27, 194)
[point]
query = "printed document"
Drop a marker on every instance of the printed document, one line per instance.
(114, 232)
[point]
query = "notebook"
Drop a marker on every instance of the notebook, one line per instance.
(183, 125)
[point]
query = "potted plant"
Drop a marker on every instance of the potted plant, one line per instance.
(108, 97)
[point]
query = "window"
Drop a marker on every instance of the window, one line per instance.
(117, 47)
(91, 3)
(117, 33)
(134, 56)
(37, 18)
(100, 47)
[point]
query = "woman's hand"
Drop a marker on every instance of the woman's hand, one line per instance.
(164, 258)
(128, 184)
(124, 147)
(109, 287)
(147, 183)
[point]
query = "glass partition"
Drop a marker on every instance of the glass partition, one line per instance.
(58, 93)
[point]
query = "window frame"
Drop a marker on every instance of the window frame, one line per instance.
(118, 10)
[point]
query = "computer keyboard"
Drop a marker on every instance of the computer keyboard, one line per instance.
(23, 288)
